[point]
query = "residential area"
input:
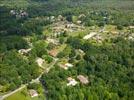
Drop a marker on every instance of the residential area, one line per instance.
(66, 50)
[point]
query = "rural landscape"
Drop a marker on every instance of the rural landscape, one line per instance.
(66, 49)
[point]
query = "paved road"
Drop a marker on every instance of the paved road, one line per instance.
(33, 81)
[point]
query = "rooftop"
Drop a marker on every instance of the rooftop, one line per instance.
(72, 82)
(39, 61)
(53, 52)
(33, 93)
(89, 35)
(83, 79)
(24, 51)
(66, 66)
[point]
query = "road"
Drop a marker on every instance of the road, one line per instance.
(33, 81)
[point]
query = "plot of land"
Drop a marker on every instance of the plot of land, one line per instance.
(19, 96)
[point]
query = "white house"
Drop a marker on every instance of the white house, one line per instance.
(72, 82)
(68, 65)
(24, 51)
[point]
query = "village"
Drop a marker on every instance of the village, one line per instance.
(58, 32)
(66, 49)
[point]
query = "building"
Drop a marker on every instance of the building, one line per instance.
(39, 61)
(12, 12)
(89, 35)
(24, 51)
(114, 32)
(33, 93)
(82, 16)
(66, 66)
(79, 22)
(61, 18)
(83, 79)
(53, 52)
(81, 51)
(131, 27)
(54, 41)
(71, 81)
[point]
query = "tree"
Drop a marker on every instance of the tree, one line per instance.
(39, 48)
(12, 86)
(48, 58)
(119, 27)
(78, 57)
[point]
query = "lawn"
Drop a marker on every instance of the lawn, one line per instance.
(24, 95)
(21, 95)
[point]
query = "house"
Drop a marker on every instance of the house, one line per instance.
(12, 12)
(63, 66)
(131, 27)
(89, 35)
(82, 16)
(83, 79)
(114, 32)
(24, 14)
(39, 61)
(70, 25)
(24, 51)
(81, 51)
(53, 52)
(78, 22)
(66, 66)
(71, 81)
(33, 93)
(54, 41)
(52, 18)
(61, 18)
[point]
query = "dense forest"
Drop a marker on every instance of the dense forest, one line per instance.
(109, 66)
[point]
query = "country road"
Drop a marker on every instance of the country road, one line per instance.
(32, 81)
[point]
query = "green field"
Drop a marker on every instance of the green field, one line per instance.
(21, 95)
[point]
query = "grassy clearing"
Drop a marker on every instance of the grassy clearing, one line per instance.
(24, 95)
(61, 47)
(21, 95)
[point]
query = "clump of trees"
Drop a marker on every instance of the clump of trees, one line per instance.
(15, 70)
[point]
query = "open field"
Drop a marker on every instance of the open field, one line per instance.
(21, 95)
